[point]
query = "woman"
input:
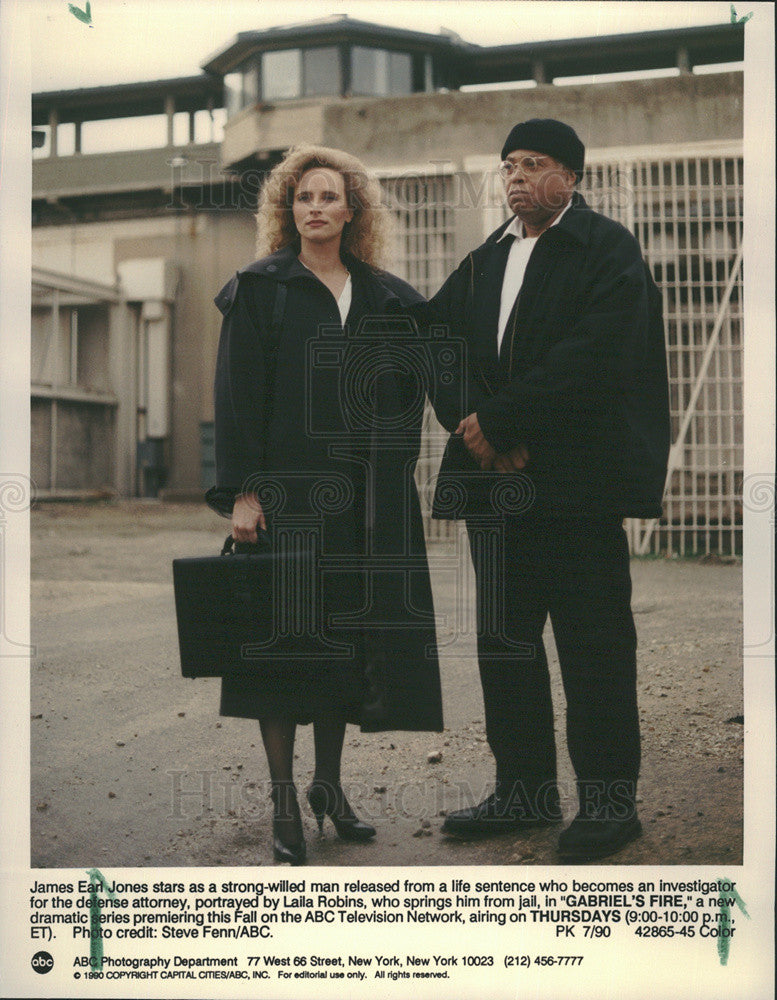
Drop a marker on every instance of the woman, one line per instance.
(318, 406)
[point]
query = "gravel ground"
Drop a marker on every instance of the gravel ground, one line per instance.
(132, 767)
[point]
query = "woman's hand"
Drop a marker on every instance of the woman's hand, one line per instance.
(246, 515)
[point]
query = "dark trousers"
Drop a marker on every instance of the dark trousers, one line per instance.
(578, 573)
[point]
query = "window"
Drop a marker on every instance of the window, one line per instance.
(377, 72)
(281, 75)
(321, 71)
(287, 74)
(250, 85)
(295, 73)
(233, 93)
(241, 88)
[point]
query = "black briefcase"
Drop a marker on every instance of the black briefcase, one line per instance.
(247, 609)
(223, 603)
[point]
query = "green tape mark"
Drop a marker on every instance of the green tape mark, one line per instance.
(97, 884)
(734, 18)
(82, 15)
(726, 898)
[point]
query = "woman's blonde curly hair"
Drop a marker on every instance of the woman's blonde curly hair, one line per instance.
(366, 236)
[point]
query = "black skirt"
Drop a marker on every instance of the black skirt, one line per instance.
(296, 692)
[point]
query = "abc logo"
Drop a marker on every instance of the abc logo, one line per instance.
(42, 962)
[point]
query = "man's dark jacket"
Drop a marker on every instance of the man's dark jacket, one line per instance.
(580, 380)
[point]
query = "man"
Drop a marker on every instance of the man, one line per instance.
(567, 433)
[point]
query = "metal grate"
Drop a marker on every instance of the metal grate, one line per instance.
(686, 212)
(423, 248)
(423, 254)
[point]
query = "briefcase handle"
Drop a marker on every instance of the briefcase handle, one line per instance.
(231, 547)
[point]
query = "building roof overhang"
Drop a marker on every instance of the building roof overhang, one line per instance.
(330, 31)
(601, 54)
(125, 100)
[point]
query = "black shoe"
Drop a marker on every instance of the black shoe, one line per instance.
(495, 815)
(288, 840)
(587, 838)
(329, 800)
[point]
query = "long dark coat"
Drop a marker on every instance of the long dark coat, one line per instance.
(323, 423)
(580, 380)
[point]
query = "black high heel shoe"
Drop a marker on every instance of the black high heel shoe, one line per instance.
(286, 819)
(329, 800)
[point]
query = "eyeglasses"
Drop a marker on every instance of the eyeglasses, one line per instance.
(528, 165)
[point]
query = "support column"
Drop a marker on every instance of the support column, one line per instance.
(538, 71)
(345, 70)
(152, 282)
(53, 123)
(210, 107)
(122, 362)
(72, 375)
(169, 111)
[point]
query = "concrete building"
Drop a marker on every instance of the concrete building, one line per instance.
(135, 242)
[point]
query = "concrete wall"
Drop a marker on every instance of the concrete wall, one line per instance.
(40, 437)
(86, 249)
(127, 170)
(255, 130)
(423, 128)
(85, 446)
(93, 362)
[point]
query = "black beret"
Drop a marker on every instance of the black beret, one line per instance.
(546, 135)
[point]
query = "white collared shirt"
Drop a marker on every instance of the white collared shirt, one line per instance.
(515, 269)
(344, 302)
